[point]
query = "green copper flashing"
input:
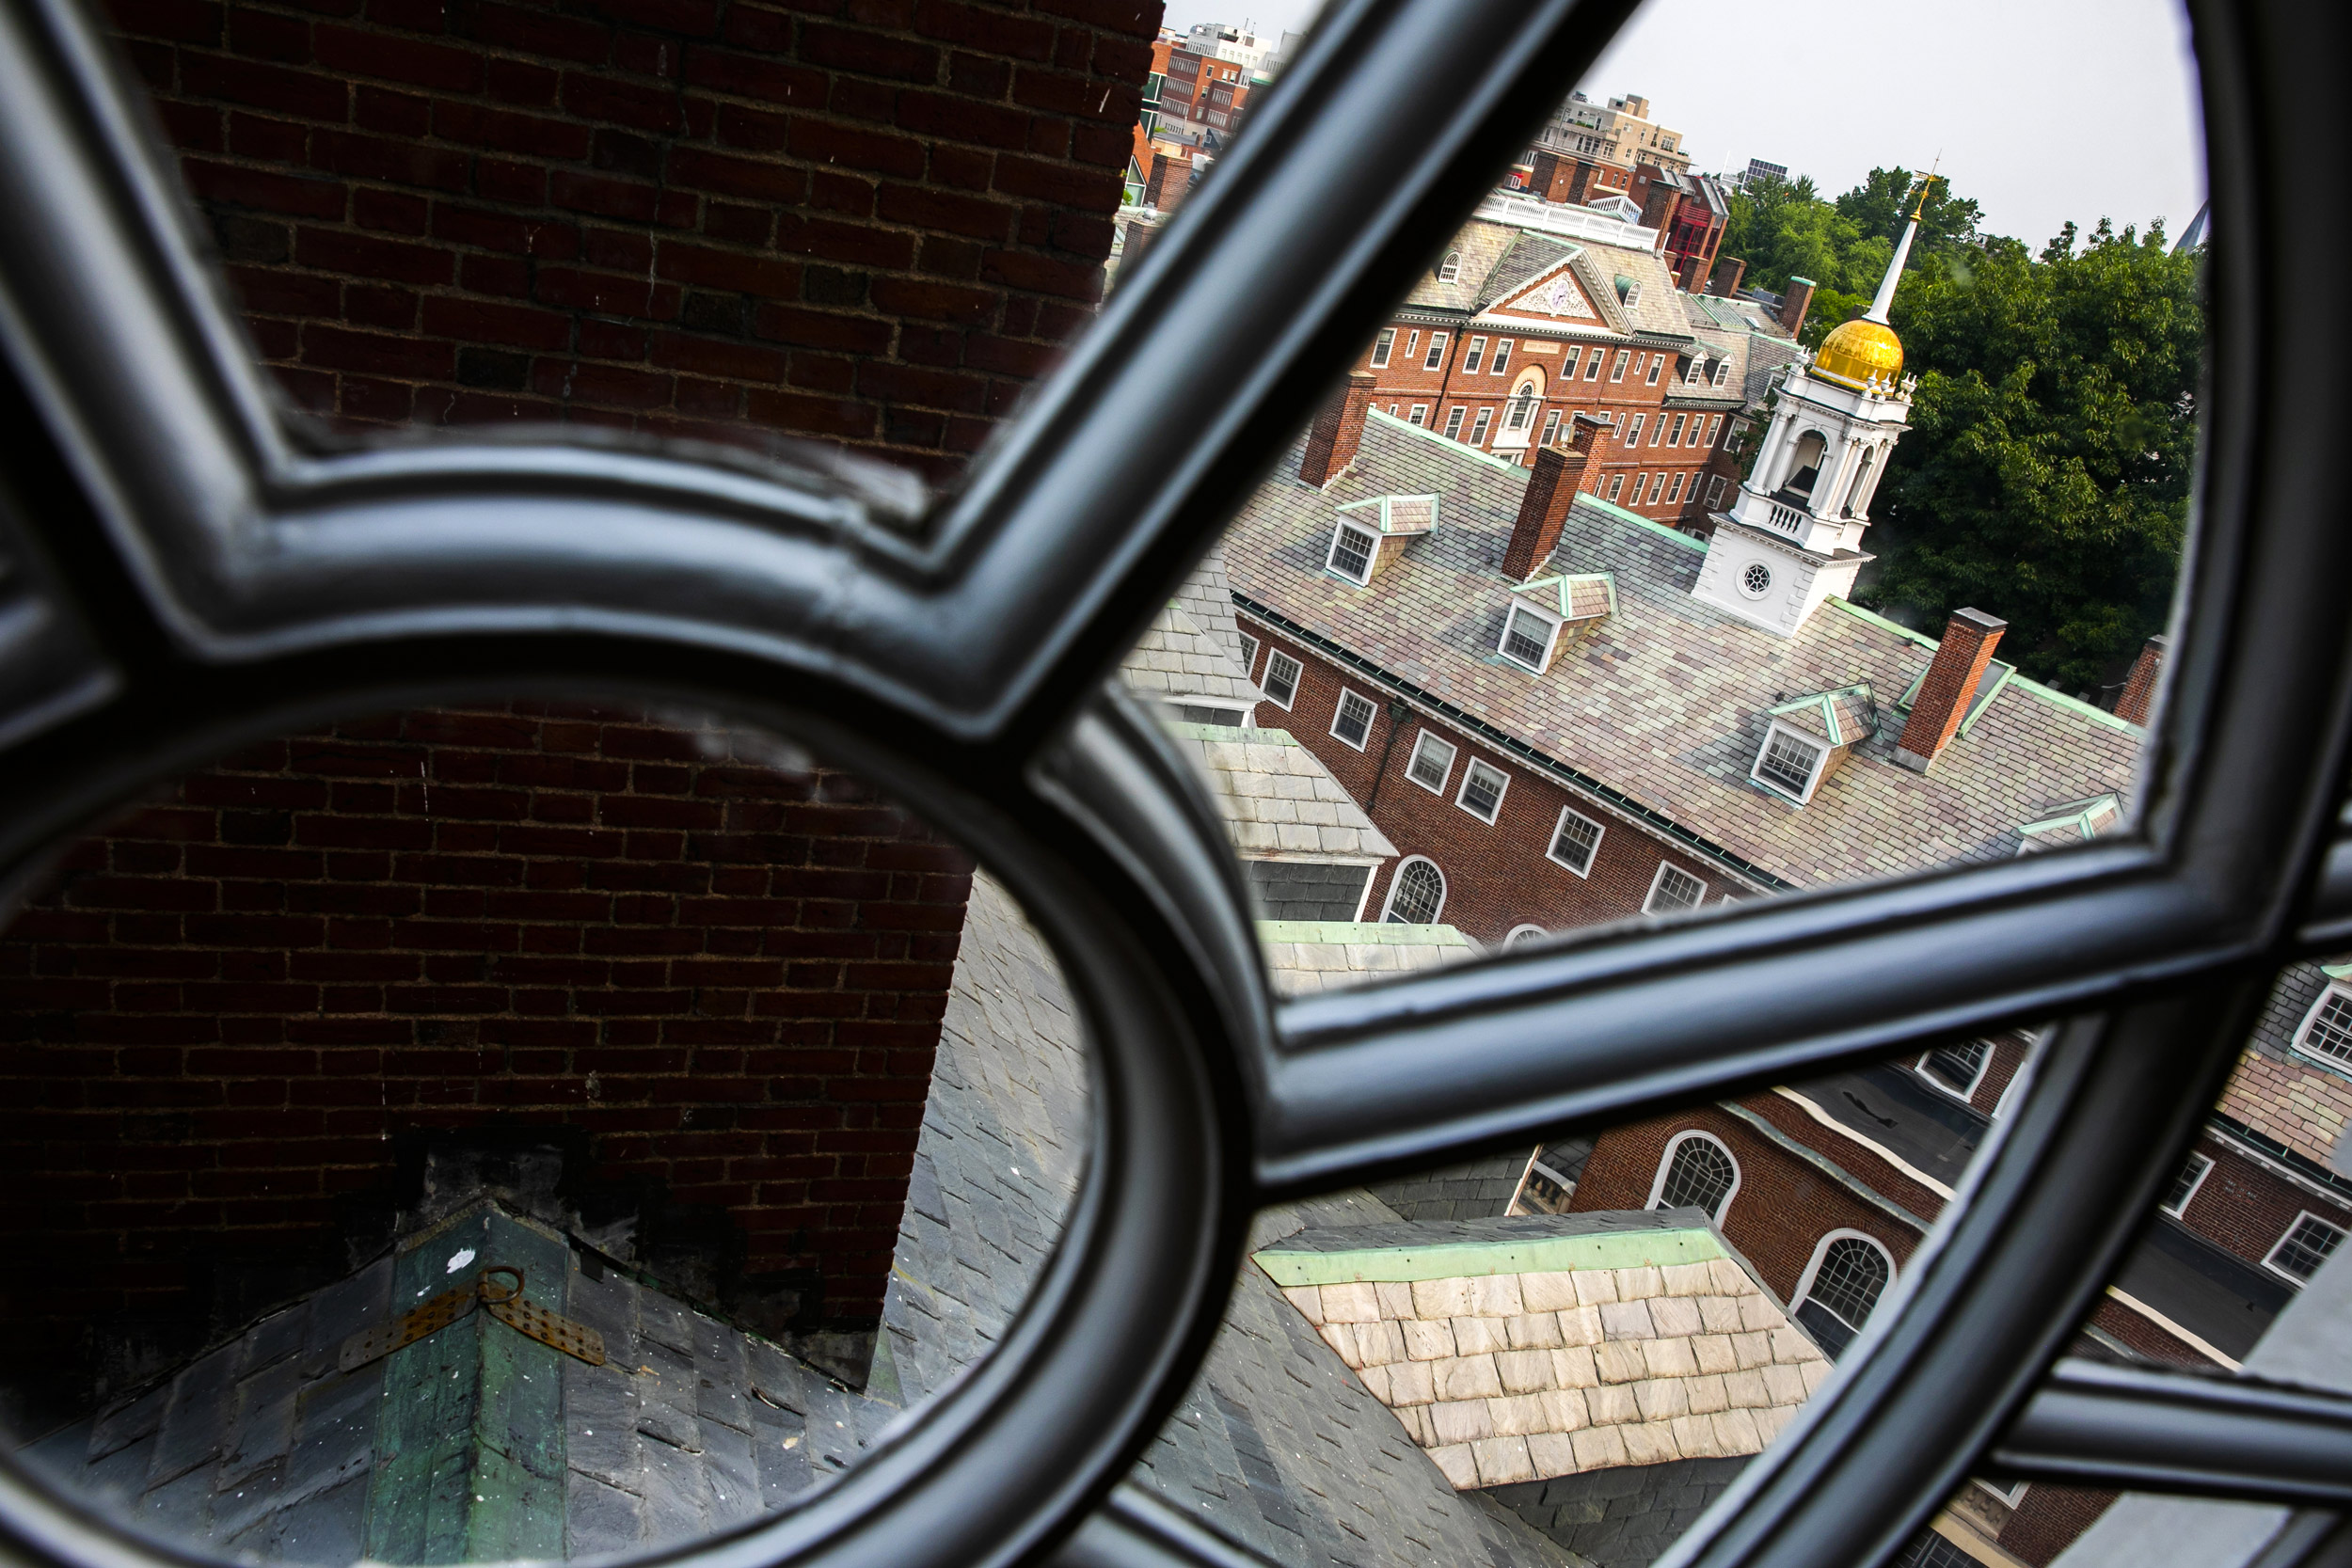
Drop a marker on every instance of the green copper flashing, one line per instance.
(1358, 933)
(1472, 1259)
(1882, 623)
(469, 1448)
(1614, 510)
(2075, 704)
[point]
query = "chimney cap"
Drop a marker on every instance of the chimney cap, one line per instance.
(1979, 620)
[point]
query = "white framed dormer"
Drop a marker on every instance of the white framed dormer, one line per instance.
(2184, 1191)
(1850, 1272)
(1483, 787)
(1528, 636)
(2302, 1247)
(1789, 762)
(1696, 1171)
(1416, 894)
(1353, 550)
(1575, 841)
(1351, 721)
(1189, 709)
(1432, 761)
(1280, 685)
(1957, 1069)
(1672, 890)
(2325, 1032)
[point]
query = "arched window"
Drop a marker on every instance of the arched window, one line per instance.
(1521, 935)
(1861, 477)
(1805, 466)
(1841, 1285)
(1417, 896)
(1695, 1172)
(1451, 268)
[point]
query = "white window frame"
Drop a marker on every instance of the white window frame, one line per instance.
(1383, 347)
(1658, 879)
(1813, 1270)
(1420, 416)
(1451, 268)
(1371, 716)
(1412, 344)
(1600, 830)
(1657, 364)
(1633, 430)
(1674, 493)
(1552, 428)
(1516, 934)
(1453, 422)
(1714, 490)
(1616, 486)
(1248, 655)
(1452, 755)
(1475, 354)
(1675, 438)
(1503, 357)
(1479, 426)
(1593, 366)
(2270, 1258)
(1625, 357)
(1396, 879)
(1461, 795)
(1331, 555)
(1552, 636)
(1966, 1095)
(1299, 672)
(2205, 1168)
(2012, 1496)
(1666, 1163)
(1813, 781)
(1436, 356)
(2335, 988)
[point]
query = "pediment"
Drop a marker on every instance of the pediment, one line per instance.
(1557, 294)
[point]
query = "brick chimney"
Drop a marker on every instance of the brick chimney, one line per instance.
(1795, 303)
(1551, 488)
(1165, 184)
(2140, 686)
(1725, 283)
(1951, 686)
(1338, 431)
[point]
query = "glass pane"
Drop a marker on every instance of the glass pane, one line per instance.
(1765, 600)
(527, 1131)
(1564, 1353)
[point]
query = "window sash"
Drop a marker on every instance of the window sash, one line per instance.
(1524, 645)
(1352, 552)
(1789, 762)
(1382, 347)
(2303, 1247)
(1281, 678)
(1453, 422)
(1673, 888)
(1478, 426)
(1432, 761)
(1483, 788)
(1474, 355)
(1438, 342)
(2184, 1190)
(1503, 357)
(1351, 722)
(2327, 1031)
(1575, 841)
(1416, 894)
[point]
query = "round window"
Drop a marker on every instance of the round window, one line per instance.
(1757, 579)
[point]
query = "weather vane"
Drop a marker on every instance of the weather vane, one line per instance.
(1925, 187)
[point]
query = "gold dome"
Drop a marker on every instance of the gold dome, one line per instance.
(1858, 349)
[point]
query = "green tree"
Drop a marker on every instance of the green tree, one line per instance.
(2046, 475)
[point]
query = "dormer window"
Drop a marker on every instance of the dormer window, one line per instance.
(1450, 269)
(1723, 371)
(1527, 638)
(1788, 763)
(1352, 549)
(1539, 607)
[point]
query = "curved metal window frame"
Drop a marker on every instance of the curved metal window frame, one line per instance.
(188, 576)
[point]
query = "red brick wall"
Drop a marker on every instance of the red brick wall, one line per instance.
(2245, 1208)
(226, 1010)
(2048, 1519)
(862, 221)
(1497, 876)
(1781, 1210)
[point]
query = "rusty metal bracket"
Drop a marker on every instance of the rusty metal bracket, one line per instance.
(502, 1301)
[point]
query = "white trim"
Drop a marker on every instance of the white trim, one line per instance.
(1299, 671)
(2333, 988)
(1438, 343)
(1420, 412)
(1249, 646)
(1388, 901)
(1501, 363)
(1384, 348)
(1469, 771)
(1650, 902)
(1666, 1163)
(1510, 937)
(1930, 1182)
(1454, 418)
(2205, 1168)
(1474, 354)
(1813, 779)
(1967, 1098)
(1331, 556)
(1600, 830)
(1551, 635)
(2269, 1259)
(1180, 701)
(1813, 1269)
(2015, 1495)
(2211, 1352)
(1371, 716)
(1430, 738)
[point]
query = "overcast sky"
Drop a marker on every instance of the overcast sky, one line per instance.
(2043, 110)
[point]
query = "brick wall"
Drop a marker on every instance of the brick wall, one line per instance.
(867, 222)
(2245, 1208)
(2048, 1519)
(226, 1012)
(1498, 874)
(1782, 1209)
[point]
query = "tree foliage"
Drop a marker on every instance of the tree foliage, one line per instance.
(2045, 476)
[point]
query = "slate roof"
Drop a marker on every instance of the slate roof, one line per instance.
(1303, 957)
(1665, 700)
(2281, 1094)
(1176, 658)
(1280, 800)
(1521, 1349)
